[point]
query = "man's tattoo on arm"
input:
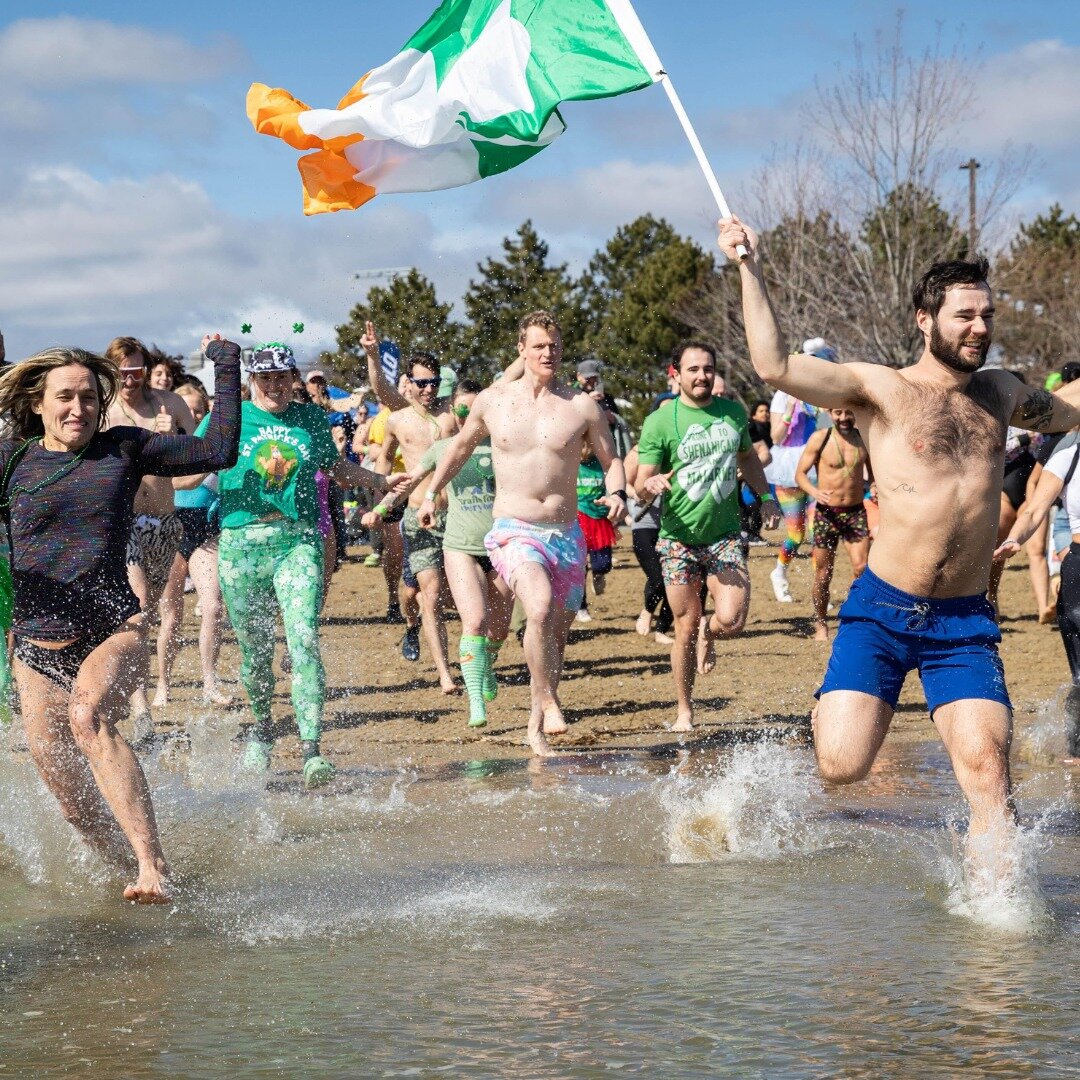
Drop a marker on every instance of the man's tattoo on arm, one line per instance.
(1036, 410)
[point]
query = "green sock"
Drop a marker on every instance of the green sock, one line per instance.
(473, 654)
(491, 686)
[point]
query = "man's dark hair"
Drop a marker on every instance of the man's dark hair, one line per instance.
(691, 343)
(929, 292)
(421, 359)
(468, 386)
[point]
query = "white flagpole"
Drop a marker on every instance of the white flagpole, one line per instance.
(699, 153)
(630, 24)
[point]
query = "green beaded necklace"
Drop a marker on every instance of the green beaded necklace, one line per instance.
(7, 500)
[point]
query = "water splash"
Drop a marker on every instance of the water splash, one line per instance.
(993, 879)
(761, 804)
(1042, 742)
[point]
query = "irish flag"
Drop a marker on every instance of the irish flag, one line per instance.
(473, 93)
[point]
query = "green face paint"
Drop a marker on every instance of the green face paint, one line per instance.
(461, 411)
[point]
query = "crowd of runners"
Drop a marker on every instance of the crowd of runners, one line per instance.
(126, 481)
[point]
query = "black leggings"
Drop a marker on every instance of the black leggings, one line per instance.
(1069, 623)
(649, 561)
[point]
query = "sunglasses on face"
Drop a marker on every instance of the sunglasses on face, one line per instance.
(132, 373)
(422, 383)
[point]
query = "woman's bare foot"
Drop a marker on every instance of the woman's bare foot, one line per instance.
(447, 685)
(554, 722)
(663, 639)
(161, 698)
(706, 648)
(214, 695)
(821, 631)
(644, 623)
(539, 745)
(152, 885)
(683, 722)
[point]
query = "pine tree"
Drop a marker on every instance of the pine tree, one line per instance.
(523, 281)
(407, 312)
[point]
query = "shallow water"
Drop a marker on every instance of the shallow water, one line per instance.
(668, 913)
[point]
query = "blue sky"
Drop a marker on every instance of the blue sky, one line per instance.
(135, 197)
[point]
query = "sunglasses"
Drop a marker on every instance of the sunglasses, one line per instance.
(424, 382)
(132, 373)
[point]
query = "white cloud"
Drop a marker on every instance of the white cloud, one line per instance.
(1030, 95)
(67, 51)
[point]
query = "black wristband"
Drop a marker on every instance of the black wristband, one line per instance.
(621, 493)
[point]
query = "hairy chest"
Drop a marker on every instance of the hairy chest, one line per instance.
(952, 429)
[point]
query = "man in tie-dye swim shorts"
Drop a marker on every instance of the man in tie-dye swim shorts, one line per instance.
(560, 549)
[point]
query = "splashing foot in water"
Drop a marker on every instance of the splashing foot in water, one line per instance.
(152, 886)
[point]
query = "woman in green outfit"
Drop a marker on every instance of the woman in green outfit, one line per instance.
(271, 554)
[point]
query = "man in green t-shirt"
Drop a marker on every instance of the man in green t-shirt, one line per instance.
(691, 452)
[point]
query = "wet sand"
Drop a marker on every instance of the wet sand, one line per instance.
(617, 690)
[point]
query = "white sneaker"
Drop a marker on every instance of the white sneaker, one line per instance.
(780, 585)
(583, 616)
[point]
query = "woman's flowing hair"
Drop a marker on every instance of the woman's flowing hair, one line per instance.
(22, 386)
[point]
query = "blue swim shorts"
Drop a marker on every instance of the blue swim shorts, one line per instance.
(885, 633)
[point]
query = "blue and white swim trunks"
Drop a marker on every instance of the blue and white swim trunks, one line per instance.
(885, 633)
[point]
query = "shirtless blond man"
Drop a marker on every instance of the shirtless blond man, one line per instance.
(156, 531)
(537, 425)
(414, 426)
(843, 468)
(936, 433)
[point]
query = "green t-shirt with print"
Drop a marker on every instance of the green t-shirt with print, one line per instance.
(699, 448)
(590, 487)
(470, 497)
(275, 470)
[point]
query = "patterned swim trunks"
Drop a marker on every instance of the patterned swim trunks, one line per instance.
(835, 523)
(685, 565)
(559, 549)
(423, 546)
(153, 544)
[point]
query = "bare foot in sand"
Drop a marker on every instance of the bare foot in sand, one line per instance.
(448, 686)
(821, 631)
(663, 639)
(538, 743)
(644, 623)
(214, 695)
(706, 647)
(554, 723)
(152, 885)
(161, 698)
(683, 722)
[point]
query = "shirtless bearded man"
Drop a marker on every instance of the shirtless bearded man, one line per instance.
(537, 425)
(840, 458)
(936, 433)
(416, 425)
(156, 532)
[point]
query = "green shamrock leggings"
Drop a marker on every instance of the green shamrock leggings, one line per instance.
(264, 567)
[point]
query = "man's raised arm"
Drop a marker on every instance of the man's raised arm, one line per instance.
(599, 435)
(807, 378)
(385, 393)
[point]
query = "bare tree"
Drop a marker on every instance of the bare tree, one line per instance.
(854, 213)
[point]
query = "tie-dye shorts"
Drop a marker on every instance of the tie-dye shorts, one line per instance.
(559, 549)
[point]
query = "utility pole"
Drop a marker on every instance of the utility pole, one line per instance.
(973, 230)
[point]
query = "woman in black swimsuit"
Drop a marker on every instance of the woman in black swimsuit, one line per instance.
(66, 497)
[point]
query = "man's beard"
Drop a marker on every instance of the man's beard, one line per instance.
(950, 355)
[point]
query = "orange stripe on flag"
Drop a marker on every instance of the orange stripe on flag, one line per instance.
(330, 183)
(355, 94)
(273, 111)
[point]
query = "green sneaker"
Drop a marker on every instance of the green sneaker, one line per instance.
(317, 772)
(373, 560)
(257, 756)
